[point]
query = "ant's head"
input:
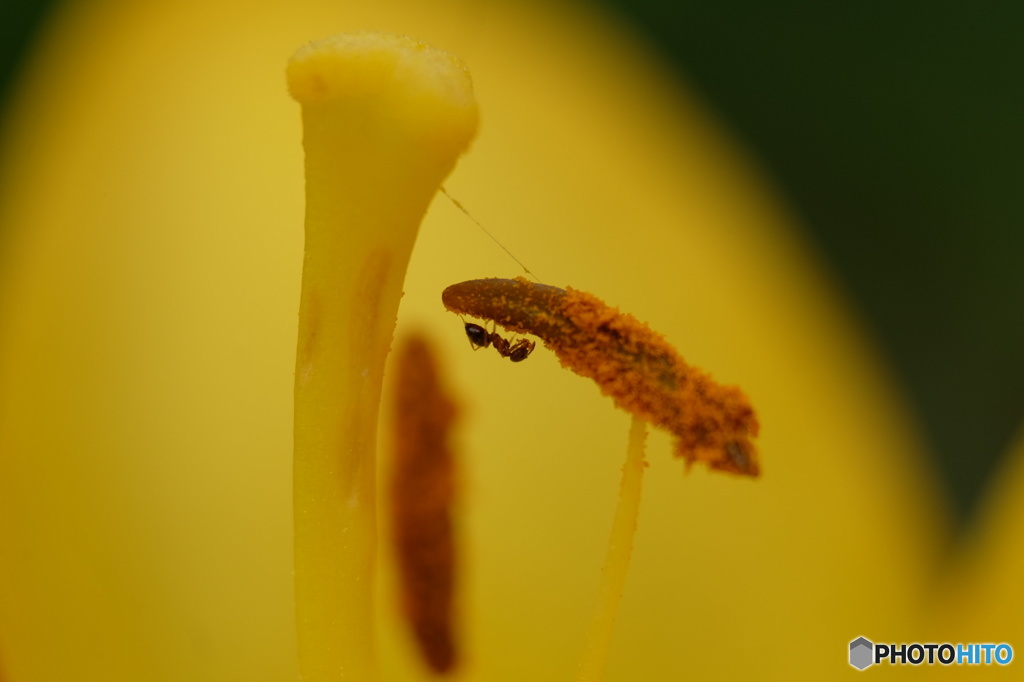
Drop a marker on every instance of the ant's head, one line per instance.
(521, 350)
(477, 335)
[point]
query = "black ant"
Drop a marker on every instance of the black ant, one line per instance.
(481, 338)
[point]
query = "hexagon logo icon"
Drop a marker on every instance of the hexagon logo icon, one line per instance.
(861, 653)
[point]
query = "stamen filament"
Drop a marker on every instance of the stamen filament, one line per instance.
(616, 562)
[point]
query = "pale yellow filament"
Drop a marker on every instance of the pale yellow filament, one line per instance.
(616, 561)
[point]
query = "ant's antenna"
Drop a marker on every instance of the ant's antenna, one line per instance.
(468, 215)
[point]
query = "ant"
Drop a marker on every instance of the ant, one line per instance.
(481, 338)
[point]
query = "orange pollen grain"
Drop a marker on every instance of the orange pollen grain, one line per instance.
(423, 490)
(630, 362)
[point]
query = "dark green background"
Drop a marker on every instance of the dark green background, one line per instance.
(895, 128)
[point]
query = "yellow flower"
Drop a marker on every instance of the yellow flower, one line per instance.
(151, 207)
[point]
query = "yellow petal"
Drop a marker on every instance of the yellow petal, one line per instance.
(979, 597)
(151, 198)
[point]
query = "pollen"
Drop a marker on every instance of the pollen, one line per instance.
(423, 491)
(631, 363)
